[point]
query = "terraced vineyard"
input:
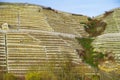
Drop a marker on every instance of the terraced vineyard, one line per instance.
(37, 37)
(20, 52)
(41, 18)
(3, 61)
(110, 40)
(113, 22)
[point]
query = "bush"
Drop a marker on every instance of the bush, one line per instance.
(91, 57)
(68, 71)
(9, 76)
(40, 76)
(94, 27)
(1, 76)
(1, 72)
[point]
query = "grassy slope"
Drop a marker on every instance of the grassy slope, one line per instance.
(41, 18)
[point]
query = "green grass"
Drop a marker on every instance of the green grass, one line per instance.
(90, 56)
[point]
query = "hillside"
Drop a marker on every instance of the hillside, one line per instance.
(37, 36)
(110, 39)
(109, 42)
(34, 17)
(112, 20)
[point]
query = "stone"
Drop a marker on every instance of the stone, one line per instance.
(5, 26)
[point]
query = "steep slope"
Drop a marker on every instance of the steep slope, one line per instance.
(65, 22)
(37, 36)
(113, 21)
(26, 16)
(110, 40)
(109, 43)
(31, 51)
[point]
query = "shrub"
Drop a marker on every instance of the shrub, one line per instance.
(1, 76)
(1, 72)
(9, 76)
(91, 57)
(94, 27)
(40, 76)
